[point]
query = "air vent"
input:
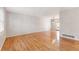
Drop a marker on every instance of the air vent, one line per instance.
(66, 35)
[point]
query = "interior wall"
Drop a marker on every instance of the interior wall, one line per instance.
(69, 22)
(2, 25)
(19, 24)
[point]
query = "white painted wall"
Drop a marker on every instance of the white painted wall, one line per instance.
(18, 24)
(2, 23)
(69, 22)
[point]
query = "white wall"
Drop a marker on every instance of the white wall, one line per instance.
(2, 23)
(69, 22)
(18, 24)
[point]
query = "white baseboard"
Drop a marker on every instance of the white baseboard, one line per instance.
(70, 38)
(26, 33)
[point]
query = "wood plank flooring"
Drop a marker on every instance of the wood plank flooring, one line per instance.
(69, 45)
(40, 41)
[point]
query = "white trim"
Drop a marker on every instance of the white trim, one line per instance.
(70, 38)
(28, 33)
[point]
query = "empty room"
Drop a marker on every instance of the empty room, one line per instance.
(39, 29)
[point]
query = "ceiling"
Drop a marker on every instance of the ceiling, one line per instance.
(37, 11)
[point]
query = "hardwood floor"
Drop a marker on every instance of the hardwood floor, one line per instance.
(41, 41)
(69, 45)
